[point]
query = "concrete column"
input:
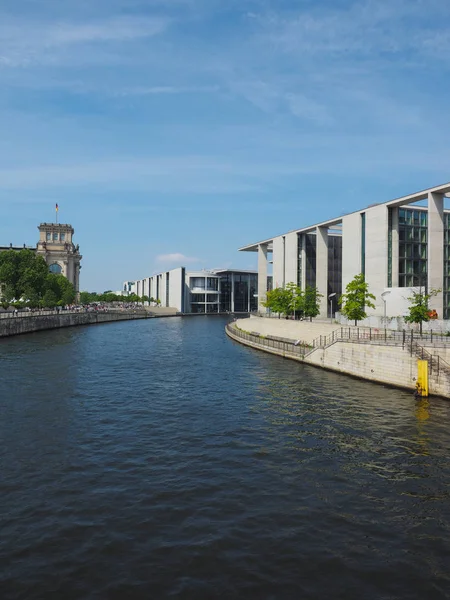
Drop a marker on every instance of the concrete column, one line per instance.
(291, 257)
(302, 283)
(436, 250)
(262, 276)
(322, 268)
(395, 241)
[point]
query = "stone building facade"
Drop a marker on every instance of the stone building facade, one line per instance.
(60, 253)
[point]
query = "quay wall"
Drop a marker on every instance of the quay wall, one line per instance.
(390, 365)
(30, 323)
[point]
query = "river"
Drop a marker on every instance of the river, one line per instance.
(158, 458)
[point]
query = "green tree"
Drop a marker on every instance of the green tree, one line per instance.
(418, 307)
(311, 302)
(356, 299)
(60, 286)
(22, 274)
(144, 299)
(88, 297)
(49, 300)
(279, 300)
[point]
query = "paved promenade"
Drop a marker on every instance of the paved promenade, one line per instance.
(304, 331)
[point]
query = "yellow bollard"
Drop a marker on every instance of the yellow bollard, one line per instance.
(422, 378)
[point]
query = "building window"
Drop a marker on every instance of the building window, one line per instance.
(412, 247)
(299, 259)
(48, 236)
(310, 270)
(196, 298)
(63, 237)
(389, 282)
(446, 289)
(212, 284)
(55, 237)
(55, 268)
(197, 283)
(363, 243)
(167, 289)
(334, 270)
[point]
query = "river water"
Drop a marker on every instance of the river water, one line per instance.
(154, 459)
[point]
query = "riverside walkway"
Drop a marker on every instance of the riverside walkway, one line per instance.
(384, 356)
(305, 331)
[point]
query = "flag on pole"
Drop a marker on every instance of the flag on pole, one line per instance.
(57, 207)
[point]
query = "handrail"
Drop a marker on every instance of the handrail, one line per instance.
(292, 347)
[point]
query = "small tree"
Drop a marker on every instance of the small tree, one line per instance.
(356, 299)
(279, 301)
(418, 307)
(311, 302)
(296, 299)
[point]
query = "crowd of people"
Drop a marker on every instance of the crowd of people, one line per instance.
(77, 308)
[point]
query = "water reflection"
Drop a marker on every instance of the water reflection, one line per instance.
(160, 459)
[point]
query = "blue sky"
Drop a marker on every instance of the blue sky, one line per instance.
(174, 131)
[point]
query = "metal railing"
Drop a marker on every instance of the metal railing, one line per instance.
(382, 336)
(408, 340)
(290, 346)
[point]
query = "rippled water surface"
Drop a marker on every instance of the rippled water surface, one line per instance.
(154, 459)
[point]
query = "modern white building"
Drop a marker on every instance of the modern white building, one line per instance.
(398, 245)
(205, 291)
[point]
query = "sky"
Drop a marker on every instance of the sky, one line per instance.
(172, 132)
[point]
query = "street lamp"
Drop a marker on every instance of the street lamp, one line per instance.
(330, 298)
(383, 297)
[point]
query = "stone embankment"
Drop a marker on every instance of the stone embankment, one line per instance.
(381, 356)
(29, 322)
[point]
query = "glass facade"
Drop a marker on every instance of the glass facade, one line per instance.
(334, 270)
(237, 292)
(311, 256)
(446, 289)
(413, 247)
(204, 302)
(167, 289)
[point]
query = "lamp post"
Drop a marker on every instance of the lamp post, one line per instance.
(383, 297)
(330, 298)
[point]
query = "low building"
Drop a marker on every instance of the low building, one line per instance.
(204, 291)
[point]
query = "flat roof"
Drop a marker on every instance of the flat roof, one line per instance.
(403, 201)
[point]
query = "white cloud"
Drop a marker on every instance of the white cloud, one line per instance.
(176, 257)
(168, 89)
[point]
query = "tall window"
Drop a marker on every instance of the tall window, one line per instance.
(413, 247)
(55, 237)
(48, 236)
(446, 265)
(363, 243)
(62, 237)
(310, 260)
(167, 288)
(212, 284)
